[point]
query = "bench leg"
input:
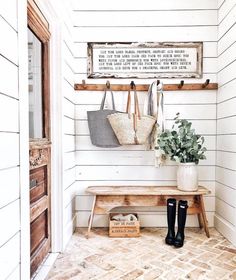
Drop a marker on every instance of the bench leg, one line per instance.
(200, 220)
(91, 217)
(203, 214)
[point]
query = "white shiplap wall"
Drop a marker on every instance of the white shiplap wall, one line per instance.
(9, 143)
(225, 220)
(160, 21)
(10, 133)
(68, 121)
(84, 164)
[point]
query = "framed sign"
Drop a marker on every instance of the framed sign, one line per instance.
(145, 60)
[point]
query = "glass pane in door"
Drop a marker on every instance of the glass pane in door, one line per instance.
(35, 86)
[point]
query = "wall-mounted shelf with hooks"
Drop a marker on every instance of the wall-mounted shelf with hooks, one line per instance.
(144, 87)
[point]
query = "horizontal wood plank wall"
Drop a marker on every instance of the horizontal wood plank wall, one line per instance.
(225, 220)
(173, 21)
(9, 147)
(68, 117)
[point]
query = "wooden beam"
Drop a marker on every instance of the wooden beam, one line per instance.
(37, 22)
(144, 87)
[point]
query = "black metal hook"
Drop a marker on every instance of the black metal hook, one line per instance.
(181, 84)
(132, 85)
(108, 85)
(206, 83)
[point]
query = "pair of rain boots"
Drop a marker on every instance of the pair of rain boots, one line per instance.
(178, 239)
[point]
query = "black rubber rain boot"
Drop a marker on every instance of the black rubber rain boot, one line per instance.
(171, 213)
(182, 214)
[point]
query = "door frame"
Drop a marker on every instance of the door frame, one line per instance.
(55, 54)
(40, 148)
(55, 57)
(56, 132)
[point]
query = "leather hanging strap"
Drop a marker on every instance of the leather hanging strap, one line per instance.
(128, 106)
(136, 105)
(136, 115)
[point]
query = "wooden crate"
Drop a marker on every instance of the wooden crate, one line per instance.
(124, 228)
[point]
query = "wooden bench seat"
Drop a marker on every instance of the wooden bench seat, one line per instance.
(108, 197)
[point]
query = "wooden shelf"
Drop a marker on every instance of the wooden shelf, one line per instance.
(144, 87)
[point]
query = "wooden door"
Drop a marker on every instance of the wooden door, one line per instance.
(39, 135)
(40, 236)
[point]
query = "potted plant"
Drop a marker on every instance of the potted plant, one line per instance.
(183, 145)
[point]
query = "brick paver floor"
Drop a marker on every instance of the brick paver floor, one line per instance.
(146, 257)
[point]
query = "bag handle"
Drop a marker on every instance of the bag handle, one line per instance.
(136, 103)
(136, 106)
(104, 98)
(128, 105)
(136, 114)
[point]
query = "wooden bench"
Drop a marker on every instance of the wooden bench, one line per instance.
(108, 197)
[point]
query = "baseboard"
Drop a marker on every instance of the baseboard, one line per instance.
(225, 228)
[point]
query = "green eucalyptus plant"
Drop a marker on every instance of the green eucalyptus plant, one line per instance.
(181, 143)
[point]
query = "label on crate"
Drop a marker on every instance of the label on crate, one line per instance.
(123, 223)
(124, 230)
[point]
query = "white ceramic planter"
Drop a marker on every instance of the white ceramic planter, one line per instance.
(187, 177)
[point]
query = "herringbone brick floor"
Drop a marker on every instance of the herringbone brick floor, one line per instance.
(146, 257)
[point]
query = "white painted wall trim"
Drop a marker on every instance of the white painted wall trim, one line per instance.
(24, 140)
(56, 137)
(69, 230)
(56, 124)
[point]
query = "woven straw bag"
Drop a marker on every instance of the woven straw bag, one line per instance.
(131, 129)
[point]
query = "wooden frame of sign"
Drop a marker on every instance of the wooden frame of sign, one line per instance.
(145, 60)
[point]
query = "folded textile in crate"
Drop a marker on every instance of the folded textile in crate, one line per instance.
(121, 217)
